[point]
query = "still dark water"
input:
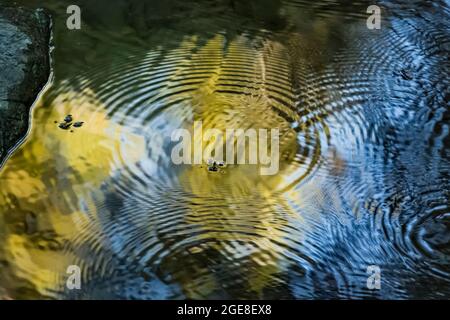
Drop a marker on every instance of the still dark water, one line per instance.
(365, 154)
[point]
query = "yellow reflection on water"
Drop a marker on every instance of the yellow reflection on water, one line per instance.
(44, 183)
(51, 186)
(235, 212)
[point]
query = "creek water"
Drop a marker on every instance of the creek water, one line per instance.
(364, 154)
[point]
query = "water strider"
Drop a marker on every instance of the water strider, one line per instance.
(68, 123)
(78, 124)
(68, 118)
(364, 166)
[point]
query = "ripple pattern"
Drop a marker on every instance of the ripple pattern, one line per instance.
(364, 158)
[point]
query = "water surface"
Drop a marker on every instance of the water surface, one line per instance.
(364, 168)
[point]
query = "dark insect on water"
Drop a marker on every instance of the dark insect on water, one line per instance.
(68, 123)
(214, 166)
(406, 74)
(64, 125)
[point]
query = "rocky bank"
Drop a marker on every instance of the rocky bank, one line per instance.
(24, 70)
